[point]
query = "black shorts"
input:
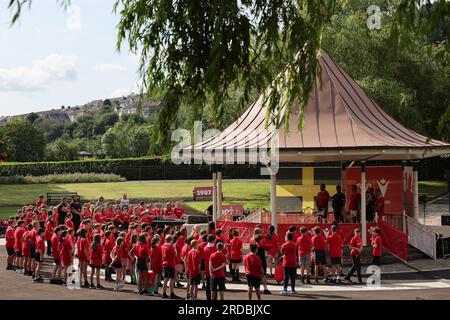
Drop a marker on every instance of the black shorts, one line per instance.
(117, 265)
(202, 265)
(18, 254)
(169, 273)
(218, 284)
(10, 251)
(39, 258)
(32, 251)
(94, 266)
(236, 260)
(194, 280)
(253, 281)
(319, 257)
(57, 262)
(376, 261)
(141, 264)
(335, 261)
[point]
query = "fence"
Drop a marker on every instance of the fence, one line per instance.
(422, 237)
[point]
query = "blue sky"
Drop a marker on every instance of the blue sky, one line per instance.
(52, 57)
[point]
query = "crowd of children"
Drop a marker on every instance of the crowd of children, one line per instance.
(122, 241)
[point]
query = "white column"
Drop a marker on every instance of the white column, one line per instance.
(415, 193)
(214, 196)
(363, 205)
(219, 194)
(273, 200)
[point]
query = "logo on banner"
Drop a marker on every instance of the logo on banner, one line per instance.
(326, 232)
(383, 185)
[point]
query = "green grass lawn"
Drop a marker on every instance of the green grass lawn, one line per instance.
(252, 194)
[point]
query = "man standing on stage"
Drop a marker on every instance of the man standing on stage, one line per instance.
(322, 204)
(338, 204)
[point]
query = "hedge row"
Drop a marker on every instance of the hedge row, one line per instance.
(131, 169)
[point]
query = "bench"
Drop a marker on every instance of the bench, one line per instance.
(54, 198)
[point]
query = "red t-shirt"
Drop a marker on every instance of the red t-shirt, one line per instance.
(140, 250)
(156, 261)
(49, 227)
(32, 235)
(322, 199)
(108, 246)
(272, 244)
(379, 206)
(9, 237)
(356, 242)
(217, 259)
(18, 234)
(207, 252)
(335, 243)
(236, 249)
(168, 255)
(96, 256)
(65, 252)
(377, 251)
(55, 245)
(178, 212)
(185, 251)
(193, 263)
(40, 244)
(82, 247)
(304, 245)
(355, 200)
(289, 251)
(253, 265)
(318, 242)
(69, 224)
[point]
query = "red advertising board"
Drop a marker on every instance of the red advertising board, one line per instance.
(203, 191)
(388, 179)
(235, 210)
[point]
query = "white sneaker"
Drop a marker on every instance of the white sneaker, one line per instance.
(284, 292)
(293, 292)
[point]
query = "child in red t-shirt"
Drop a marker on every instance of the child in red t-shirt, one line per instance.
(141, 252)
(65, 252)
(272, 248)
(18, 235)
(289, 252)
(116, 257)
(319, 245)
(9, 244)
(108, 246)
(169, 254)
(235, 255)
(193, 267)
(217, 263)
(49, 228)
(56, 274)
(156, 264)
(40, 251)
(83, 255)
(96, 260)
(253, 271)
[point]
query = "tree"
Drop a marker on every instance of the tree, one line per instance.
(32, 117)
(53, 129)
(23, 141)
(126, 140)
(62, 150)
(195, 52)
(104, 122)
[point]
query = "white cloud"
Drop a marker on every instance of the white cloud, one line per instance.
(109, 67)
(53, 68)
(73, 21)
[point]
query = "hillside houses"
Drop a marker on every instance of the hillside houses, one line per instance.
(122, 105)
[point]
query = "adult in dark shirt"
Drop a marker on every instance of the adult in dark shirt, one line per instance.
(63, 209)
(338, 204)
(75, 209)
(370, 205)
(209, 213)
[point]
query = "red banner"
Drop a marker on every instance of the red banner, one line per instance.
(235, 210)
(388, 179)
(345, 230)
(245, 228)
(393, 240)
(203, 191)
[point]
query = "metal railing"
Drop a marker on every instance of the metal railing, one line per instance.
(421, 237)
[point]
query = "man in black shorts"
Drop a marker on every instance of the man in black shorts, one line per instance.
(262, 255)
(217, 264)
